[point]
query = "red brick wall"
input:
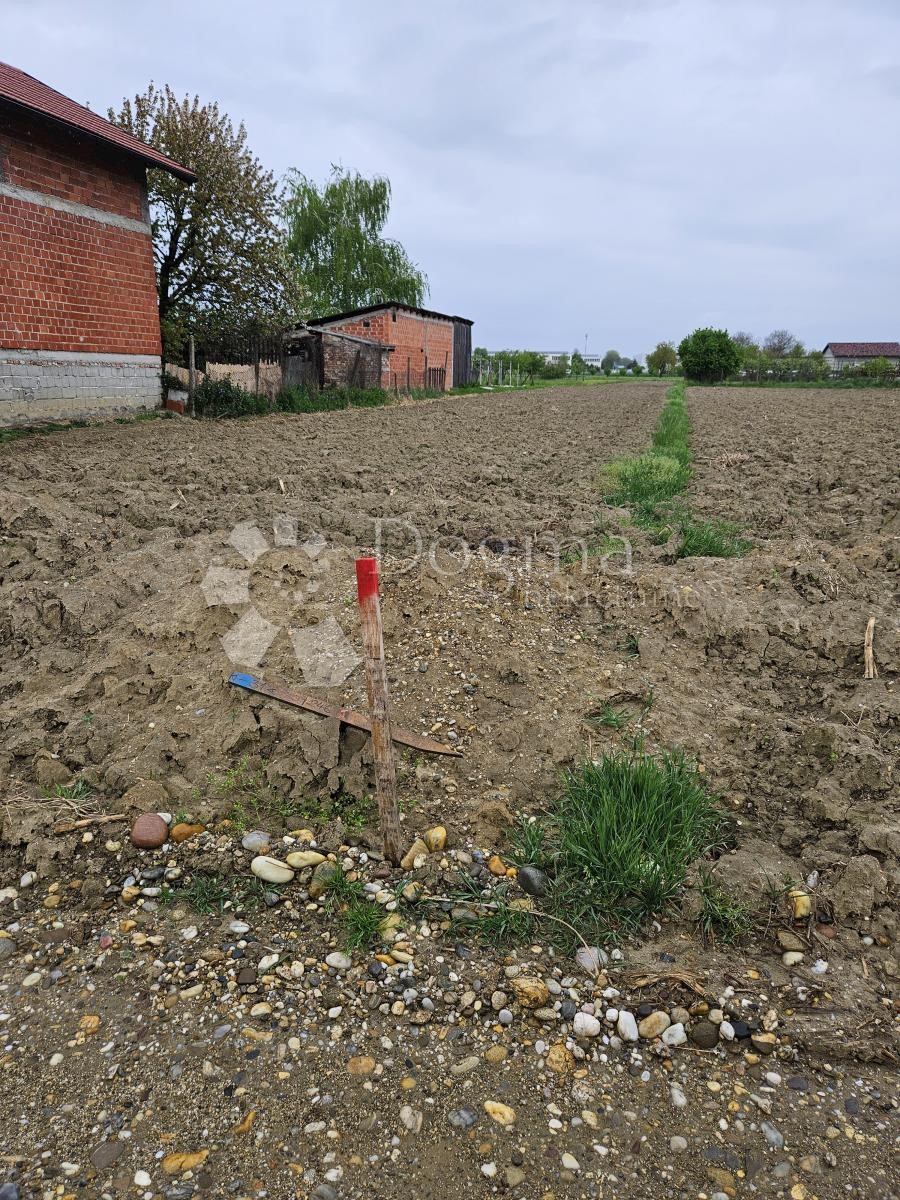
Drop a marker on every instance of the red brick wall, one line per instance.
(67, 282)
(414, 338)
(47, 160)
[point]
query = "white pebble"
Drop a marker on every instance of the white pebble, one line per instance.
(674, 1035)
(142, 1179)
(626, 1026)
(584, 1025)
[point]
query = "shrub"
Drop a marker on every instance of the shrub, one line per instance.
(709, 355)
(221, 398)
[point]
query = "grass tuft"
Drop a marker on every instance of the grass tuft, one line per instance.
(607, 716)
(79, 790)
(528, 842)
(359, 918)
(626, 829)
(710, 539)
(721, 918)
(644, 481)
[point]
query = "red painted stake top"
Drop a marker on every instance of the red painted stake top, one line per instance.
(366, 578)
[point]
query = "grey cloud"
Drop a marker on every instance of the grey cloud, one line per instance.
(623, 169)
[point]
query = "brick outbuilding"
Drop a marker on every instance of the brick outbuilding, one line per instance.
(428, 349)
(79, 323)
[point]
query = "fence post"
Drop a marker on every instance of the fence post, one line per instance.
(192, 370)
(379, 707)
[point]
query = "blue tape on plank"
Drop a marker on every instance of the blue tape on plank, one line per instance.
(241, 680)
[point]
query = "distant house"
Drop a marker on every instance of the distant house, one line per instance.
(425, 349)
(79, 323)
(839, 355)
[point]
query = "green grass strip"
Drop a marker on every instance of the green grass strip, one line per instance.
(650, 483)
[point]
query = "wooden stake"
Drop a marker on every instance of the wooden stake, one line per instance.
(869, 651)
(192, 374)
(376, 684)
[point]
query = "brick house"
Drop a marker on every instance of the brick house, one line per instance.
(79, 323)
(427, 349)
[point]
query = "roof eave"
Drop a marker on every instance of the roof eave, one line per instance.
(170, 165)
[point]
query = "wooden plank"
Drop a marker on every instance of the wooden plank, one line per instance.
(347, 716)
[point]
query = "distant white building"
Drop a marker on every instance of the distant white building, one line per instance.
(839, 355)
(553, 357)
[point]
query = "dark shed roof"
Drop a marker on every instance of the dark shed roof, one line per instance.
(864, 349)
(28, 94)
(371, 308)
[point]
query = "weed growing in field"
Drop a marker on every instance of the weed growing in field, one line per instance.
(528, 842)
(209, 893)
(710, 539)
(651, 482)
(609, 717)
(206, 893)
(721, 917)
(252, 801)
(495, 921)
(672, 433)
(79, 790)
(359, 918)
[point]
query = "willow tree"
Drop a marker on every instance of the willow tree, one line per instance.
(336, 250)
(217, 242)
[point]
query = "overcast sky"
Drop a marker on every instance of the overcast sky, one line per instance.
(625, 169)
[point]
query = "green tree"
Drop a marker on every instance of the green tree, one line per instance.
(217, 242)
(663, 360)
(709, 355)
(878, 367)
(336, 250)
(578, 365)
(610, 361)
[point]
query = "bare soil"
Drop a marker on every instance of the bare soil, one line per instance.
(113, 671)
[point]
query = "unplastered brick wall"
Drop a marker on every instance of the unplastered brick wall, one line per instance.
(343, 358)
(43, 158)
(79, 327)
(418, 342)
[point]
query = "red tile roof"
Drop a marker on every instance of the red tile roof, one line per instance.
(25, 92)
(864, 349)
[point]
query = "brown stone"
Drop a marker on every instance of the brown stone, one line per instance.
(182, 831)
(530, 991)
(560, 1059)
(149, 831)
